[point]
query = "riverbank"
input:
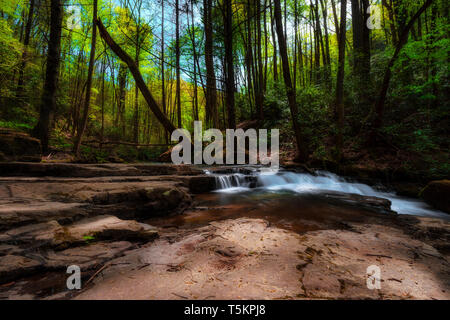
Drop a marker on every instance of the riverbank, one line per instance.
(153, 231)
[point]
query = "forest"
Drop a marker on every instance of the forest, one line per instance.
(344, 81)
(93, 204)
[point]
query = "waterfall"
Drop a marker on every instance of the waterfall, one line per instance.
(274, 180)
(231, 181)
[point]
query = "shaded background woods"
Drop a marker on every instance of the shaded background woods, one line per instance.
(339, 91)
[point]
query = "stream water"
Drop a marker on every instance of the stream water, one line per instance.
(295, 201)
(301, 183)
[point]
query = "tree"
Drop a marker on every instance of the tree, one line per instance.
(87, 101)
(230, 86)
(48, 100)
(212, 115)
(26, 42)
(302, 154)
(177, 59)
(340, 81)
(167, 124)
(379, 105)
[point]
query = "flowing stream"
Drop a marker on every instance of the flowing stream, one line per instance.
(303, 183)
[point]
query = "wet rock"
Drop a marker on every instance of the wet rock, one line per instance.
(408, 189)
(375, 204)
(201, 184)
(18, 146)
(437, 193)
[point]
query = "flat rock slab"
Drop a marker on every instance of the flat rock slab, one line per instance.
(25, 211)
(15, 267)
(249, 259)
(10, 169)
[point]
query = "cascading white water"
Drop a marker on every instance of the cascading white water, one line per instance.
(235, 180)
(231, 182)
(323, 181)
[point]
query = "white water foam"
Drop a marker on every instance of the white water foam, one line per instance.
(323, 181)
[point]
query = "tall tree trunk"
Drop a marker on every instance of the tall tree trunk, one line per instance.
(212, 115)
(121, 96)
(177, 60)
(194, 52)
(260, 94)
(302, 154)
(26, 42)
(82, 128)
(327, 63)
(340, 82)
(102, 132)
(361, 45)
(230, 87)
(48, 100)
(275, 58)
(163, 76)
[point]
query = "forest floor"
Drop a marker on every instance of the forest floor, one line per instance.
(121, 224)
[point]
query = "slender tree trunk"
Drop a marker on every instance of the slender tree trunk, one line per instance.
(102, 133)
(230, 86)
(340, 82)
(212, 115)
(260, 93)
(301, 144)
(82, 128)
(163, 75)
(26, 42)
(327, 61)
(196, 118)
(177, 59)
(275, 58)
(121, 97)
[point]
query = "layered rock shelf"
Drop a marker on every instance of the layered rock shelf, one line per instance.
(120, 225)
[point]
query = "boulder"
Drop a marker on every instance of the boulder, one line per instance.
(437, 193)
(110, 228)
(18, 146)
